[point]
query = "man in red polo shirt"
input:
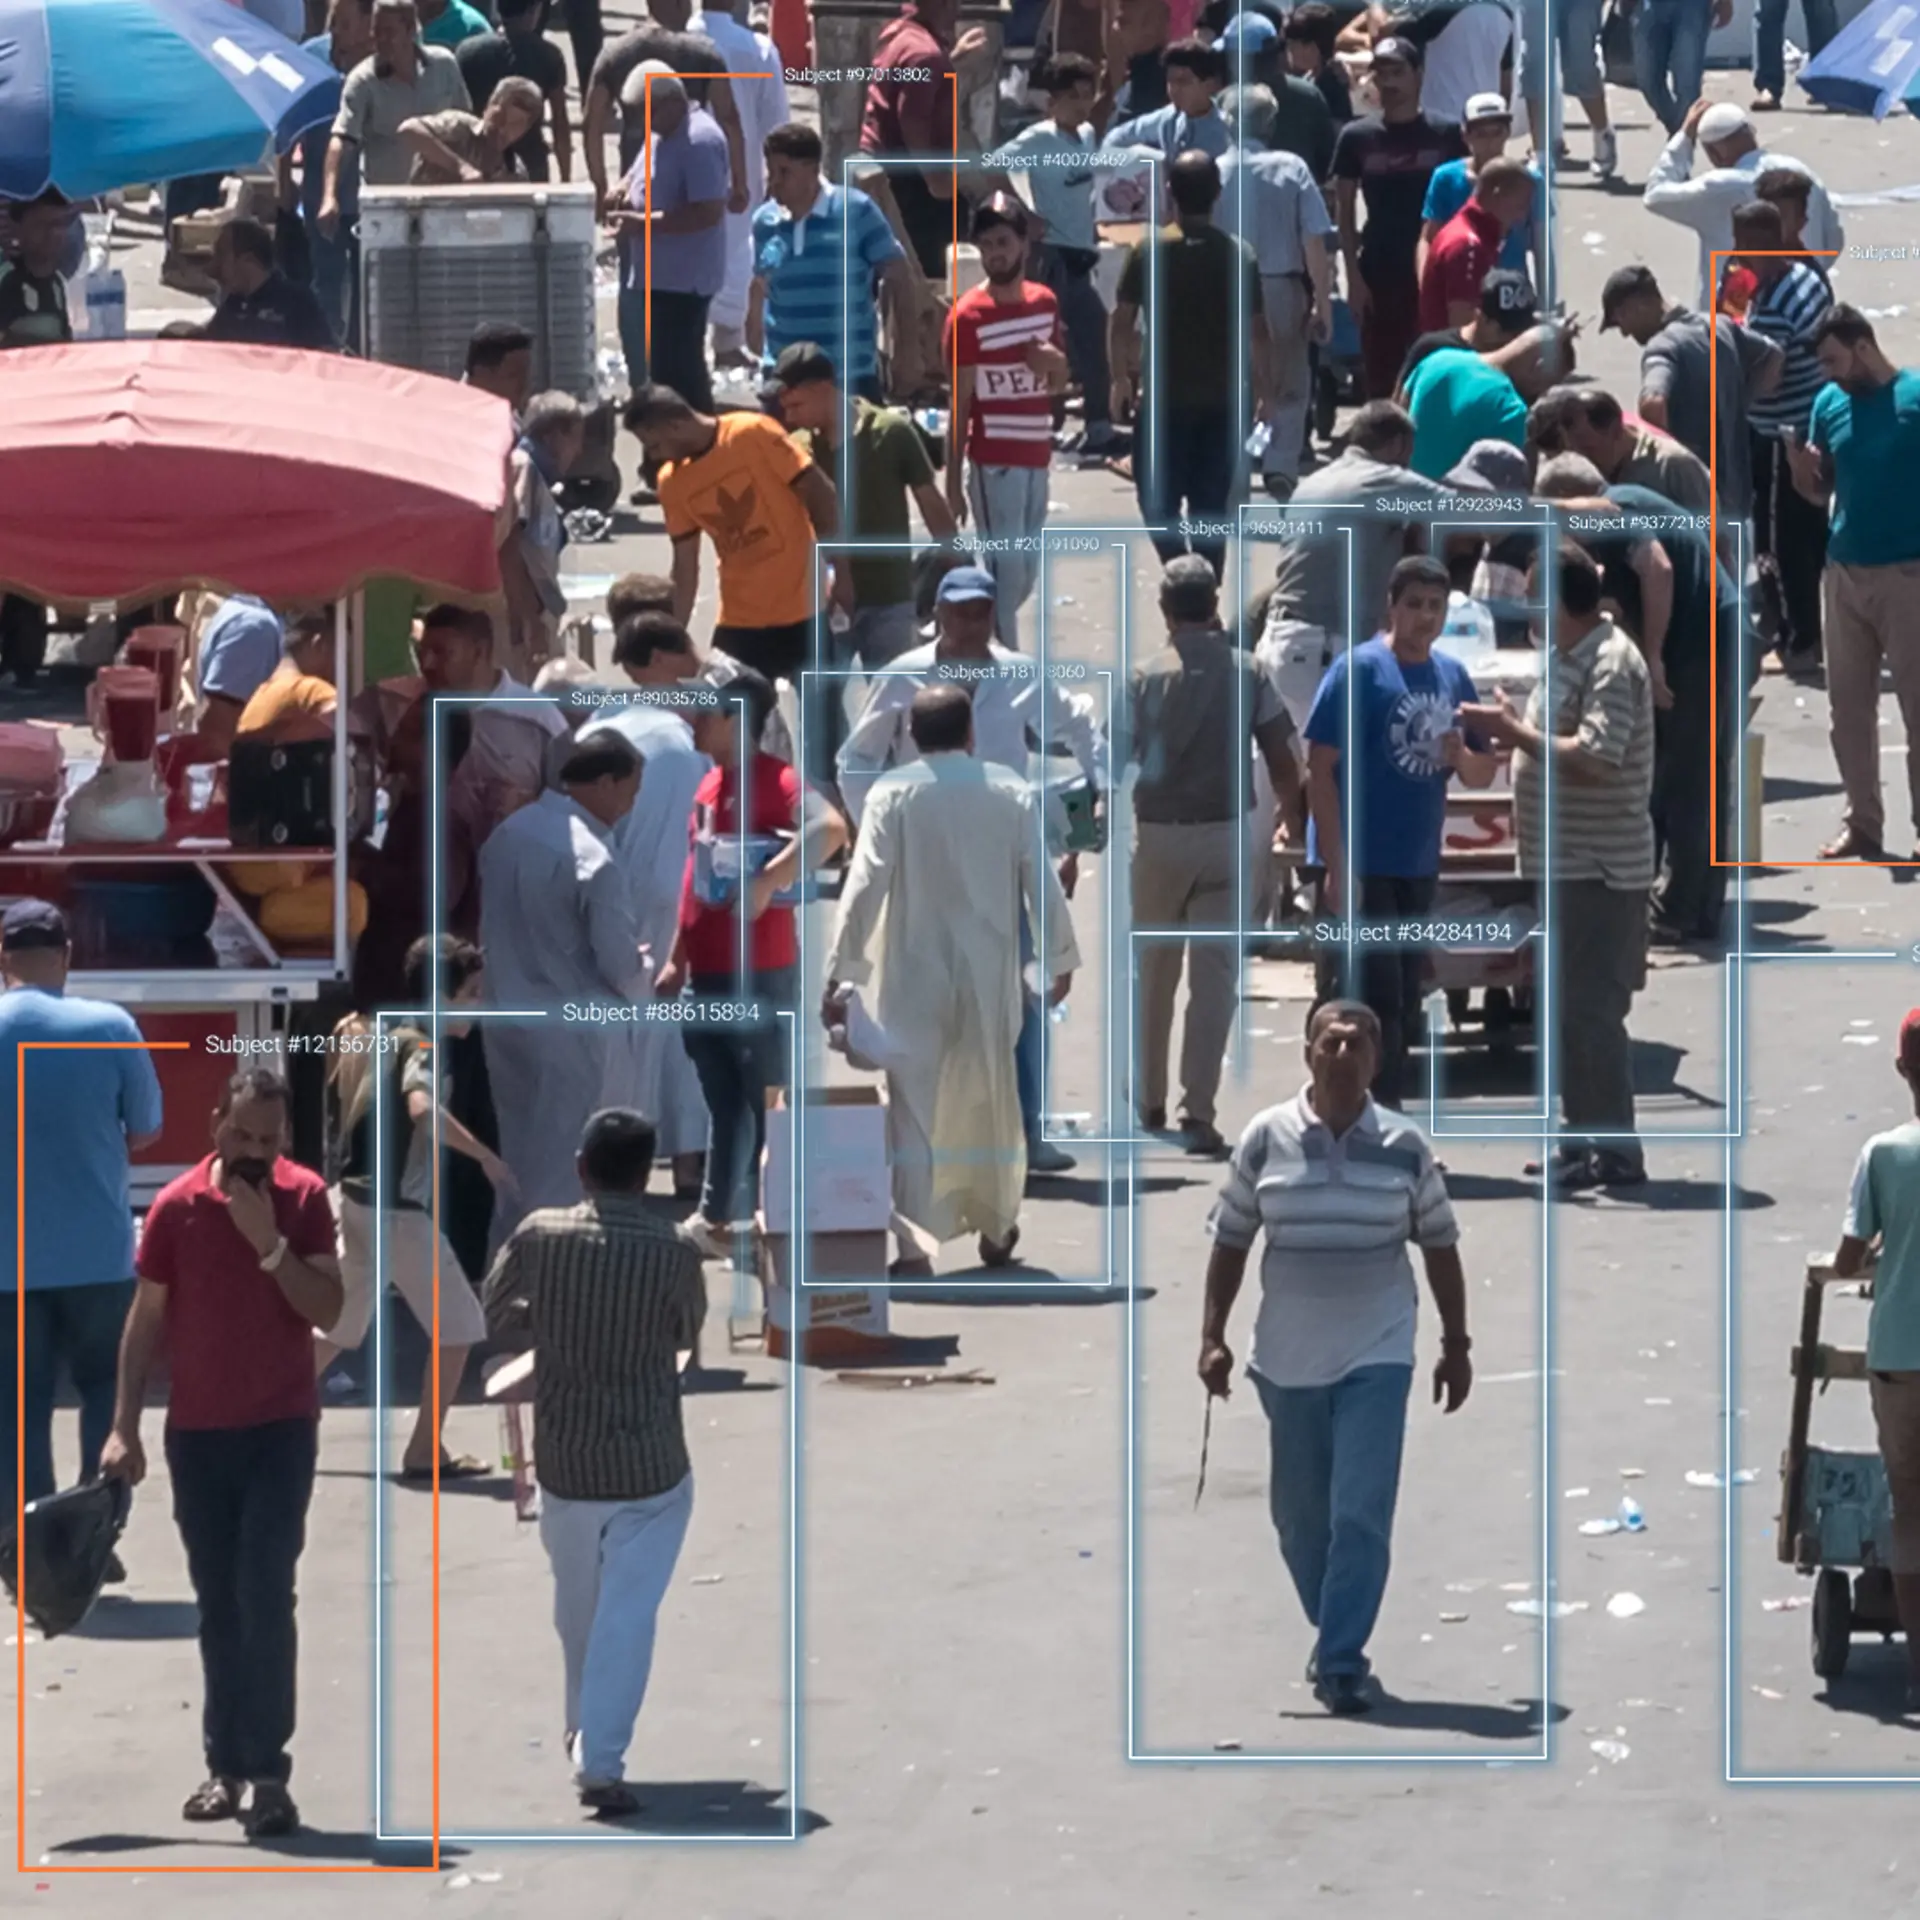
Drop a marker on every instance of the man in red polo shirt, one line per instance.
(237, 1269)
(1005, 341)
(1467, 248)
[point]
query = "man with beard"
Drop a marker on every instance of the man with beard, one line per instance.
(1004, 340)
(236, 1273)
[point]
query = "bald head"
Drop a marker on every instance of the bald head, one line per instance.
(941, 719)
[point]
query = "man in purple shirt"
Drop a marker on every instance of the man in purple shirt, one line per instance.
(683, 201)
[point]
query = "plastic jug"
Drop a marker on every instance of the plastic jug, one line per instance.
(123, 706)
(160, 650)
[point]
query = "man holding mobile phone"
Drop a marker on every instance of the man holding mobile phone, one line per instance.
(236, 1271)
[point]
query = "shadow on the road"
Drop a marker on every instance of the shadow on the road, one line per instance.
(1490, 1186)
(1092, 1192)
(723, 1380)
(713, 1809)
(1038, 1292)
(1783, 787)
(1873, 1686)
(1477, 1719)
(903, 1350)
(1673, 1196)
(119, 1616)
(311, 1843)
(1771, 912)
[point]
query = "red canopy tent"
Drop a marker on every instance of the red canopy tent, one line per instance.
(132, 468)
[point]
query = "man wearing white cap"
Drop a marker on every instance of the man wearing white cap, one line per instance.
(1735, 161)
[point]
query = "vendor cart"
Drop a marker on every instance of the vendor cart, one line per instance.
(135, 469)
(1836, 1518)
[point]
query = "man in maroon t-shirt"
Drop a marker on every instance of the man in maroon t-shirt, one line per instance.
(909, 110)
(1467, 248)
(237, 1269)
(1004, 341)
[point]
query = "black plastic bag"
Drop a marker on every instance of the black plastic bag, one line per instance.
(70, 1537)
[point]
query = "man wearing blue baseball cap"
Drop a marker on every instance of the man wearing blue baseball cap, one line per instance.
(1009, 710)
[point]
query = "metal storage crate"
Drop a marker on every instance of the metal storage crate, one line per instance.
(436, 262)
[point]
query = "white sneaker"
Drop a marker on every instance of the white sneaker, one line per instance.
(1606, 153)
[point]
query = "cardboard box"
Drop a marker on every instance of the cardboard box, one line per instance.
(845, 1179)
(834, 1322)
(717, 861)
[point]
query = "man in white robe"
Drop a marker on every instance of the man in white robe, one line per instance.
(762, 104)
(651, 844)
(950, 855)
(558, 925)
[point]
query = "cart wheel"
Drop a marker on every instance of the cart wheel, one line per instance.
(1832, 1622)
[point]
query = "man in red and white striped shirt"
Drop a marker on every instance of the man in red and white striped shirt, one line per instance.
(1004, 339)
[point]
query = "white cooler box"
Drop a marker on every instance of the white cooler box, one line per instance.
(436, 262)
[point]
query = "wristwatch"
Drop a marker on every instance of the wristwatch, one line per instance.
(270, 1262)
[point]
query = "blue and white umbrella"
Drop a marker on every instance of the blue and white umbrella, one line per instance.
(98, 94)
(1872, 64)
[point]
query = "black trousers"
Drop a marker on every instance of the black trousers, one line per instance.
(588, 35)
(240, 1498)
(1069, 272)
(1389, 977)
(1692, 766)
(1789, 533)
(23, 637)
(679, 355)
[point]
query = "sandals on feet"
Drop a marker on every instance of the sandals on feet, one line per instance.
(453, 1466)
(213, 1799)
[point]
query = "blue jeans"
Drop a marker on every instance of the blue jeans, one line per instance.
(1770, 38)
(1336, 1475)
(336, 279)
(72, 1328)
(1670, 40)
(736, 1065)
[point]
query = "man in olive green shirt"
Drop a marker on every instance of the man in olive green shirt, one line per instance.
(1885, 1206)
(888, 464)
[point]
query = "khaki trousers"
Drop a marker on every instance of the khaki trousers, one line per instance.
(1872, 619)
(1185, 876)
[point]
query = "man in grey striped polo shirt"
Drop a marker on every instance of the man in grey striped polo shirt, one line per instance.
(1600, 856)
(608, 1296)
(1339, 1187)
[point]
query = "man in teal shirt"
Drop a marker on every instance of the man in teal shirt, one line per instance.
(449, 23)
(1885, 1206)
(1456, 397)
(1861, 452)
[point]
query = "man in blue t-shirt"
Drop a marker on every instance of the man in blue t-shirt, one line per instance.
(1389, 710)
(84, 1111)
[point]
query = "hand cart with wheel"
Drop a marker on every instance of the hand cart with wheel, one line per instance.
(1836, 1518)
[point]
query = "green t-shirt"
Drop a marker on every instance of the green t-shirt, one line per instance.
(1874, 439)
(1456, 399)
(1201, 274)
(888, 461)
(1886, 1204)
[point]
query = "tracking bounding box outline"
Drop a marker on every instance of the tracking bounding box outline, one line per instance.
(383, 1579)
(832, 681)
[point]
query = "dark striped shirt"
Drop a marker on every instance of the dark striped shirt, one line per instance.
(1787, 313)
(610, 1294)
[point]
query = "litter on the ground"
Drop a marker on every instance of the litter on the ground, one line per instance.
(1612, 1751)
(1535, 1609)
(883, 1377)
(1790, 1603)
(1598, 1527)
(1451, 1619)
(1623, 1606)
(1700, 1478)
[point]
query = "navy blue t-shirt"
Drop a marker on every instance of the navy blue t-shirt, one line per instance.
(1399, 715)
